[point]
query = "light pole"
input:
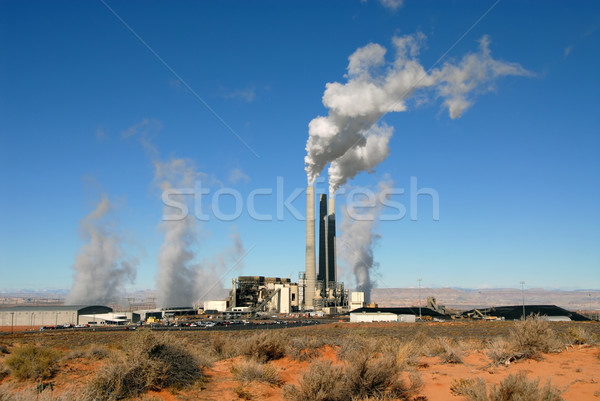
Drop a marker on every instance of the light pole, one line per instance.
(591, 314)
(523, 295)
(419, 280)
(12, 322)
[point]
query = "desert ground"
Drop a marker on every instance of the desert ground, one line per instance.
(334, 361)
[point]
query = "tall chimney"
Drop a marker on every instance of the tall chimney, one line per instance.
(310, 278)
(331, 245)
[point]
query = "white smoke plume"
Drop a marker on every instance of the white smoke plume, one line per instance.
(181, 281)
(175, 279)
(361, 158)
(209, 273)
(375, 87)
(101, 267)
(358, 238)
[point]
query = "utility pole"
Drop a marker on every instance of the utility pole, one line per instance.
(591, 313)
(523, 295)
(12, 322)
(419, 280)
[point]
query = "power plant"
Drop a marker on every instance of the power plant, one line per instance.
(316, 291)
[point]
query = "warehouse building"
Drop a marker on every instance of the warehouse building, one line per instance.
(54, 315)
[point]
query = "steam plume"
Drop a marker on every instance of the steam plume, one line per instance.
(375, 87)
(175, 279)
(208, 276)
(358, 239)
(181, 281)
(101, 267)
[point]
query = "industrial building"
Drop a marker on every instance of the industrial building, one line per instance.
(408, 315)
(516, 312)
(258, 294)
(54, 315)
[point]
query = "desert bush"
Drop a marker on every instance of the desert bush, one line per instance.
(31, 362)
(264, 347)
(10, 393)
(357, 342)
(513, 388)
(323, 382)
(499, 351)
(578, 336)
(250, 370)
(4, 349)
(365, 377)
(448, 351)
(532, 336)
(152, 362)
(303, 348)
(222, 347)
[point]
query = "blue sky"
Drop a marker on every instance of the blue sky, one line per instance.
(517, 174)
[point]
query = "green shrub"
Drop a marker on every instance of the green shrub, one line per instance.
(513, 388)
(250, 370)
(31, 362)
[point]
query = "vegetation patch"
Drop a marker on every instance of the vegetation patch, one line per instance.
(513, 388)
(31, 362)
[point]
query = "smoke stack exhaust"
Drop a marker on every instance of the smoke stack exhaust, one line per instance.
(310, 277)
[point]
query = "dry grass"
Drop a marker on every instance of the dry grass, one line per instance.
(449, 351)
(265, 346)
(579, 335)
(527, 339)
(366, 376)
(31, 362)
(303, 348)
(250, 370)
(152, 362)
(513, 388)
(323, 382)
(10, 393)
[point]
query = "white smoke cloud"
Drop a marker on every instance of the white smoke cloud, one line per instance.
(209, 273)
(101, 267)
(175, 278)
(475, 74)
(355, 244)
(375, 87)
(361, 158)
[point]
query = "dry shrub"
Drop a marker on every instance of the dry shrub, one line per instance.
(264, 347)
(578, 336)
(323, 382)
(10, 393)
(152, 362)
(499, 351)
(513, 388)
(448, 350)
(532, 336)
(4, 349)
(303, 348)
(365, 377)
(223, 346)
(250, 370)
(94, 352)
(31, 362)
(357, 342)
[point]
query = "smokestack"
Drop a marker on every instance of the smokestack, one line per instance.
(323, 274)
(331, 250)
(309, 294)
